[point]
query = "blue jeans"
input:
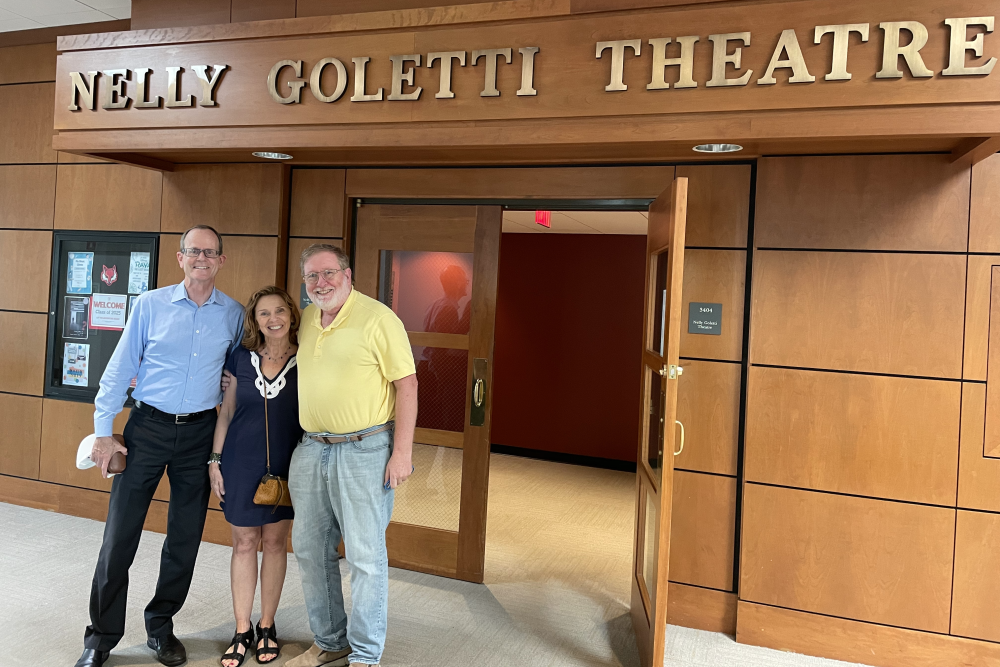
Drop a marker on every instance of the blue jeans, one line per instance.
(338, 492)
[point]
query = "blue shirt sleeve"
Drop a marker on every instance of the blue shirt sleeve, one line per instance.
(123, 366)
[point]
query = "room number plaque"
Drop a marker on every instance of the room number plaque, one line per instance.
(705, 318)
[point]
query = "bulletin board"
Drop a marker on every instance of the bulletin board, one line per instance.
(96, 278)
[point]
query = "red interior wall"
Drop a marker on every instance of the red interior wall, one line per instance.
(567, 350)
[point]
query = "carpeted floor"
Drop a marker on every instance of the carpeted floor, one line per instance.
(555, 594)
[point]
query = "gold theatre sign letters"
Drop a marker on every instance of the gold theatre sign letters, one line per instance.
(718, 58)
(328, 78)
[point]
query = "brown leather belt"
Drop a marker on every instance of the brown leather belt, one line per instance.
(354, 437)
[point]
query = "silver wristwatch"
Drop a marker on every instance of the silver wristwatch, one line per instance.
(214, 457)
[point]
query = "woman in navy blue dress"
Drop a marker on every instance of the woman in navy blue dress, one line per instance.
(262, 368)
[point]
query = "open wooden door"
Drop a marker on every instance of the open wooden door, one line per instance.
(436, 267)
(660, 374)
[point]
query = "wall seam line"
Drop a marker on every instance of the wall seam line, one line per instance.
(881, 625)
(915, 503)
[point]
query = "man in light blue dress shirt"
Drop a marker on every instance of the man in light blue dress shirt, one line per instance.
(174, 343)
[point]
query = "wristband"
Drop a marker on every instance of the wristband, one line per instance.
(214, 457)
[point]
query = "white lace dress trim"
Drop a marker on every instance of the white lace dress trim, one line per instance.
(272, 389)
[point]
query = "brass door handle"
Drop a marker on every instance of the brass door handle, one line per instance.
(478, 393)
(671, 372)
(677, 453)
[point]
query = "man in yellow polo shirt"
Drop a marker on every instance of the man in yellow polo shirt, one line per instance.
(358, 406)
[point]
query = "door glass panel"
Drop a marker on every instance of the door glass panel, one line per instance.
(429, 291)
(649, 548)
(653, 447)
(432, 495)
(441, 385)
(659, 305)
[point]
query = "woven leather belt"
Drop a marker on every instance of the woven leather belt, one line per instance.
(354, 437)
(168, 417)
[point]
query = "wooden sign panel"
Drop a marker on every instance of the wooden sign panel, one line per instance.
(790, 55)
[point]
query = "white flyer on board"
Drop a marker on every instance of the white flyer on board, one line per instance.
(76, 359)
(138, 273)
(108, 311)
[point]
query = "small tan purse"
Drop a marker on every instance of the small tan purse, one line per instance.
(272, 490)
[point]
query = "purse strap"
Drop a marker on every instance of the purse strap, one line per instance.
(267, 431)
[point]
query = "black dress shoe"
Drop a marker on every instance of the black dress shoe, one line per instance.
(169, 650)
(92, 658)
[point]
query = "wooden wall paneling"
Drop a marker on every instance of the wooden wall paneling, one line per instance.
(32, 63)
(64, 425)
(261, 10)
(24, 271)
(869, 560)
(703, 530)
(26, 111)
(295, 248)
(326, 7)
(251, 263)
(867, 435)
(168, 270)
(22, 347)
(701, 609)
(586, 6)
(977, 576)
(512, 183)
(856, 642)
(27, 196)
(991, 445)
(85, 503)
(718, 205)
(72, 158)
(715, 276)
(560, 39)
(708, 404)
(876, 312)
(93, 504)
(984, 219)
(863, 202)
(233, 198)
(318, 202)
(148, 14)
(977, 315)
(108, 197)
(21, 436)
(978, 476)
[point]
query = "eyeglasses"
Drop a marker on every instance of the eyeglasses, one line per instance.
(211, 253)
(313, 278)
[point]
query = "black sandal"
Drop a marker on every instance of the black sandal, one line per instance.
(244, 639)
(265, 635)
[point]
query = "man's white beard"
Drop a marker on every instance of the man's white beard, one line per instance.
(323, 301)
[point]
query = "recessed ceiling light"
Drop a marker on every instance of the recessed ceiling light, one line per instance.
(272, 156)
(718, 148)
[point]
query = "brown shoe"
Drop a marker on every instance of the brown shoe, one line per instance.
(317, 657)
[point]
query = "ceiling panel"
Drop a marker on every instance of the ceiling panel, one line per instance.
(31, 14)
